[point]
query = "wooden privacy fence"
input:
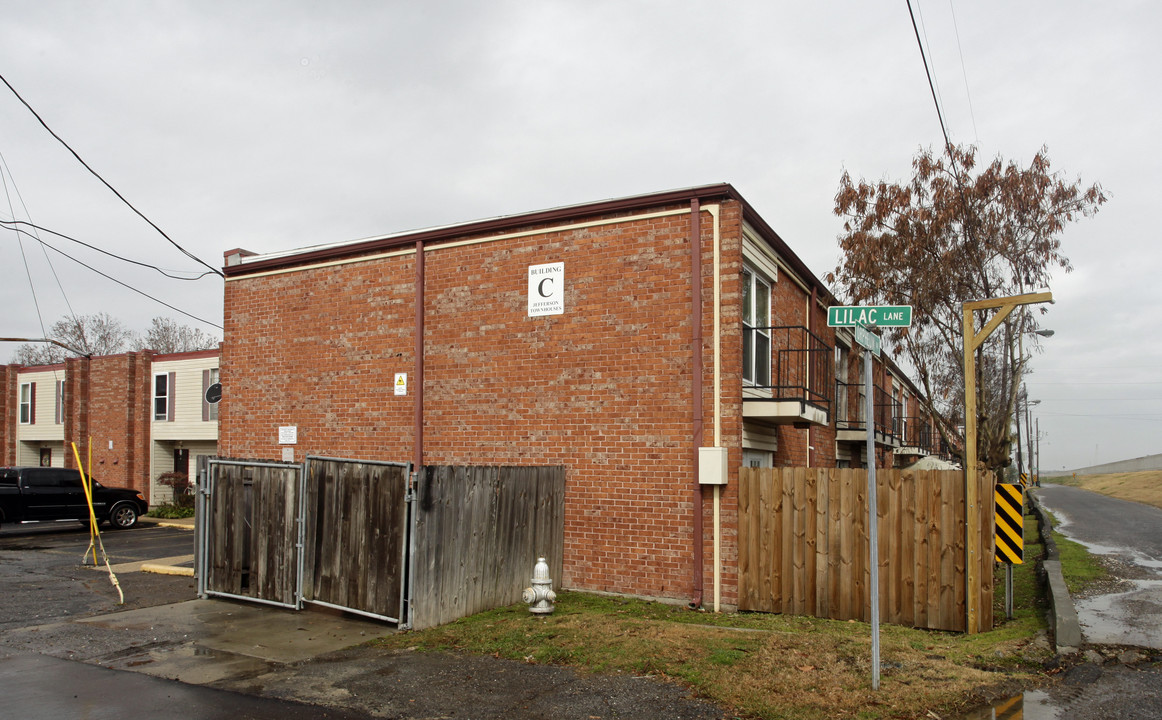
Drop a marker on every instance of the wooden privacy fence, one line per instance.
(477, 534)
(803, 545)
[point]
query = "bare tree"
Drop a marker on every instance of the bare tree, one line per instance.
(166, 336)
(96, 334)
(953, 233)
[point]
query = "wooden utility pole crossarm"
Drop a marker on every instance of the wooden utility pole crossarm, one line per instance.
(972, 341)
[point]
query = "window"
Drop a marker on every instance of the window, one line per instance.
(28, 403)
(756, 331)
(842, 354)
(60, 401)
(163, 396)
(757, 458)
(209, 409)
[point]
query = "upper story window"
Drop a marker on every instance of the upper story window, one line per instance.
(27, 403)
(163, 396)
(60, 401)
(209, 409)
(756, 330)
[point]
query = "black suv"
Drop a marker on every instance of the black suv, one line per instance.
(46, 493)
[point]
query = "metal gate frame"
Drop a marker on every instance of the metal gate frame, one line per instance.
(203, 528)
(404, 621)
(206, 480)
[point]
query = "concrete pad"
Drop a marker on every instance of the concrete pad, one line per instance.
(260, 631)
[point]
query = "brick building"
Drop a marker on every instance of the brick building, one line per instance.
(144, 412)
(616, 338)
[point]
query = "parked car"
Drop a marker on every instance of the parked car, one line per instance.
(45, 493)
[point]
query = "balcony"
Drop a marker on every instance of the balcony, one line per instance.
(916, 436)
(788, 372)
(851, 418)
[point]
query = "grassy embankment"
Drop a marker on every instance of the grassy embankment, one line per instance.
(770, 666)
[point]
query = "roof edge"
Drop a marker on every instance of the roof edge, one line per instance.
(245, 263)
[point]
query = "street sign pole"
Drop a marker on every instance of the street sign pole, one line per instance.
(873, 531)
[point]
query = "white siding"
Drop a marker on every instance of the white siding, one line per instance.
(45, 428)
(187, 423)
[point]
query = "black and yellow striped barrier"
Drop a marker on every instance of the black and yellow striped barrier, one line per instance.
(1010, 525)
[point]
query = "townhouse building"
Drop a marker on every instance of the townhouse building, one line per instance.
(651, 345)
(133, 416)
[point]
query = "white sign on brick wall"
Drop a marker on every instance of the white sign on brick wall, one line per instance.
(547, 289)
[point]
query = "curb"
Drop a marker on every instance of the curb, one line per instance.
(1066, 628)
(167, 569)
(180, 523)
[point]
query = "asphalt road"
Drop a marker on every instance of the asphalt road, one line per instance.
(43, 578)
(1106, 523)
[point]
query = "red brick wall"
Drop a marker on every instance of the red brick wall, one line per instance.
(9, 406)
(108, 398)
(603, 389)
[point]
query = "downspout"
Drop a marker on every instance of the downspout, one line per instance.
(696, 387)
(810, 314)
(418, 460)
(717, 345)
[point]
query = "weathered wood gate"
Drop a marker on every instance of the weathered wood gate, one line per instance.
(803, 545)
(248, 531)
(355, 531)
(371, 538)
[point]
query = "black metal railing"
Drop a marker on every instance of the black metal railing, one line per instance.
(790, 361)
(851, 415)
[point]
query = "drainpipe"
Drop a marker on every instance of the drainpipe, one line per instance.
(418, 461)
(810, 314)
(696, 386)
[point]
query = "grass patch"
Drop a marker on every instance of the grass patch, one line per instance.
(1079, 568)
(758, 665)
(1029, 601)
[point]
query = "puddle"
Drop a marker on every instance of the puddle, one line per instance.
(1031, 705)
(1128, 618)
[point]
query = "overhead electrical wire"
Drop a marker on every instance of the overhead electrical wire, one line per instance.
(97, 175)
(964, 72)
(130, 287)
(15, 225)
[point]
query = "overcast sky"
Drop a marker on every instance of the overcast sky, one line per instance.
(276, 125)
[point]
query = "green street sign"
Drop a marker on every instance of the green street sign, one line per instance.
(867, 339)
(869, 315)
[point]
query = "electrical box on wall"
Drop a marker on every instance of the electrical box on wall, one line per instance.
(712, 468)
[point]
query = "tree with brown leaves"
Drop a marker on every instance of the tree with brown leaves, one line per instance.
(953, 233)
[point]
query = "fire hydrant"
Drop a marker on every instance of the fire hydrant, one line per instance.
(540, 596)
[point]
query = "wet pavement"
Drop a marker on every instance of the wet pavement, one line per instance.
(1119, 672)
(78, 653)
(1128, 537)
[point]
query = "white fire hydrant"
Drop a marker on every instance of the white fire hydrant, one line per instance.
(540, 596)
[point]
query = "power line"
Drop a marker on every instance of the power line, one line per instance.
(15, 226)
(931, 84)
(95, 174)
(139, 292)
(964, 72)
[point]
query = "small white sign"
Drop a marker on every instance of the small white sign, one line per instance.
(547, 289)
(288, 454)
(288, 434)
(401, 383)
